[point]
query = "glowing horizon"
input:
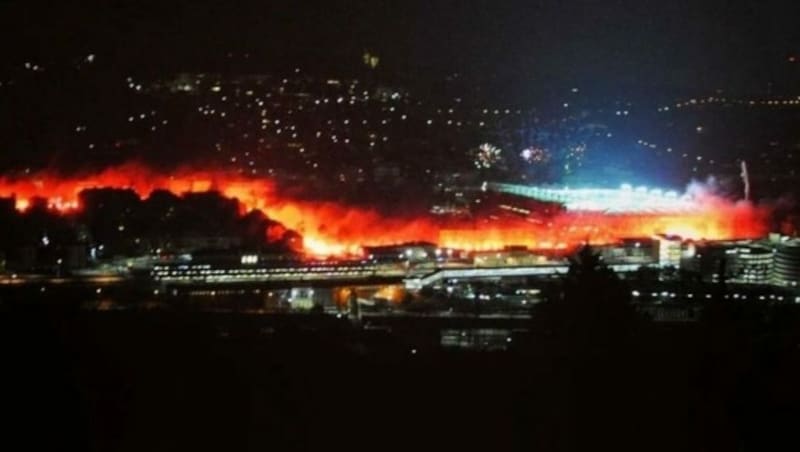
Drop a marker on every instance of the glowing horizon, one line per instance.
(330, 228)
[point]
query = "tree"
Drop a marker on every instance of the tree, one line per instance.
(582, 337)
(594, 310)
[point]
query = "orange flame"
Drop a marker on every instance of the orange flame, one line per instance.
(331, 228)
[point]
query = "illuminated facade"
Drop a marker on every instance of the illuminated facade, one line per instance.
(752, 265)
(623, 200)
(786, 266)
(643, 251)
(670, 252)
(250, 269)
(733, 262)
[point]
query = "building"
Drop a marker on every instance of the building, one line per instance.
(786, 264)
(409, 252)
(607, 200)
(752, 265)
(735, 262)
(250, 269)
(670, 250)
(510, 257)
(644, 251)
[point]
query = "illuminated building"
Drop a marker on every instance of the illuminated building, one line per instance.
(733, 262)
(752, 265)
(251, 268)
(511, 257)
(786, 266)
(669, 251)
(623, 200)
(643, 251)
(410, 252)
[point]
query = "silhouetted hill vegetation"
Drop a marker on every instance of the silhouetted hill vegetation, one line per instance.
(591, 375)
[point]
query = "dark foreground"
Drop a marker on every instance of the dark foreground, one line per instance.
(132, 381)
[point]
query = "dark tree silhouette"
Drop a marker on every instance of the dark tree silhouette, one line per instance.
(584, 340)
(125, 224)
(594, 310)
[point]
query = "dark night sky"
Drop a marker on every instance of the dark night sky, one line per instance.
(615, 43)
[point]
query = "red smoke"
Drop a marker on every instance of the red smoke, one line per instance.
(333, 229)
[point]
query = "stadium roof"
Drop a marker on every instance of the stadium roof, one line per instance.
(625, 199)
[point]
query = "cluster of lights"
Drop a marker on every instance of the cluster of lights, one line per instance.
(724, 100)
(224, 100)
(249, 259)
(534, 155)
(625, 199)
(223, 93)
(487, 156)
(207, 273)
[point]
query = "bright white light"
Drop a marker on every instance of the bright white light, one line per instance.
(249, 259)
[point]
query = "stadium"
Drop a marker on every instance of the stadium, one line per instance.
(626, 199)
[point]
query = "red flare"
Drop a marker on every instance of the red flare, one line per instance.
(331, 228)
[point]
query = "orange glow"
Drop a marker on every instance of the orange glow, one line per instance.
(330, 228)
(22, 204)
(720, 221)
(392, 293)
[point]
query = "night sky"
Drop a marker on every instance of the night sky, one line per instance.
(618, 44)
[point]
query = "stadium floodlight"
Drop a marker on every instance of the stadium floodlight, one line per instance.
(609, 200)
